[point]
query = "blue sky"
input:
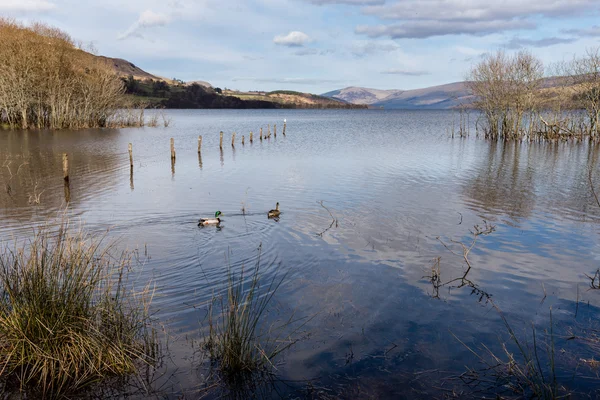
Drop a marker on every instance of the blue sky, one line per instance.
(318, 45)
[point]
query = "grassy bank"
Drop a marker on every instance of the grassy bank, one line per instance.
(68, 316)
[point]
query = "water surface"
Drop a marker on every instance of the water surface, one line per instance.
(397, 185)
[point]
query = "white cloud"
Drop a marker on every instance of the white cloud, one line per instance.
(349, 2)
(479, 10)
(397, 71)
(594, 31)
(292, 81)
(292, 39)
(518, 43)
(422, 19)
(427, 29)
(146, 19)
(368, 48)
(22, 6)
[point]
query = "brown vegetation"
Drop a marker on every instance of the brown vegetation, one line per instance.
(516, 101)
(505, 87)
(47, 82)
(68, 315)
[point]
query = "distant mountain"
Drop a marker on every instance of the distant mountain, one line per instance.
(359, 95)
(293, 99)
(446, 96)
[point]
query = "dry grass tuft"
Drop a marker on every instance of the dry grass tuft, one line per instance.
(238, 341)
(68, 318)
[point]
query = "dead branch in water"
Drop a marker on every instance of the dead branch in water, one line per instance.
(592, 186)
(462, 281)
(333, 219)
(594, 280)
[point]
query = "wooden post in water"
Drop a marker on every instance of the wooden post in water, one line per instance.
(261, 134)
(199, 144)
(242, 140)
(233, 140)
(65, 167)
(221, 140)
(275, 130)
(130, 149)
(284, 128)
(250, 136)
(172, 148)
(269, 131)
(67, 192)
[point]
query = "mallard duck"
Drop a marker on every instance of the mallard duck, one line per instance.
(274, 213)
(210, 221)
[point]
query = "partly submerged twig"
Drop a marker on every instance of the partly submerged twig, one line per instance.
(333, 219)
(463, 280)
(592, 187)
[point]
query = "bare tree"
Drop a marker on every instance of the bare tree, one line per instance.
(46, 81)
(583, 80)
(506, 87)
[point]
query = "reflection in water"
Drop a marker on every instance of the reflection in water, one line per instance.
(393, 180)
(67, 192)
(515, 176)
(131, 177)
(31, 173)
(465, 250)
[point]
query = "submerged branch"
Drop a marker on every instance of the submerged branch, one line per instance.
(333, 219)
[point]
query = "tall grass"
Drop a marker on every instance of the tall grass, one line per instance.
(239, 340)
(68, 318)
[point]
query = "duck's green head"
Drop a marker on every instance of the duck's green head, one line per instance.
(217, 214)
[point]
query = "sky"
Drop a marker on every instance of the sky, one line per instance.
(318, 45)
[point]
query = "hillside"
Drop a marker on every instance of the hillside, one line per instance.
(441, 97)
(124, 68)
(446, 96)
(160, 94)
(359, 95)
(291, 99)
(436, 97)
(155, 91)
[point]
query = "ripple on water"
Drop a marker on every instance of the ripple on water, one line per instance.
(392, 180)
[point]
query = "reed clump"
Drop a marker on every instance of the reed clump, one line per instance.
(68, 316)
(239, 340)
(525, 369)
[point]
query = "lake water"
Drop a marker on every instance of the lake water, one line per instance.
(398, 186)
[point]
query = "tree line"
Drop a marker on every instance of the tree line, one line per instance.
(46, 81)
(160, 94)
(516, 101)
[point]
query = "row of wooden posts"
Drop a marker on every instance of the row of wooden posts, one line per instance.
(261, 137)
(65, 158)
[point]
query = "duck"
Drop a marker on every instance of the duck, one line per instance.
(211, 221)
(274, 213)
